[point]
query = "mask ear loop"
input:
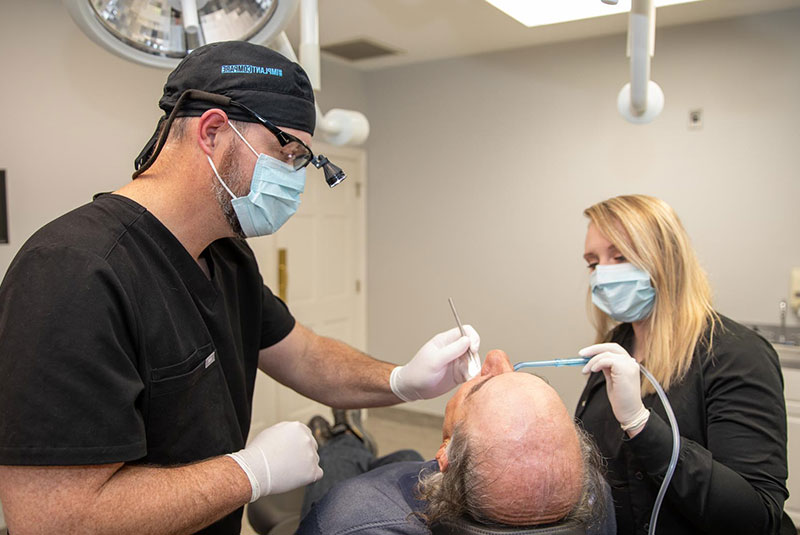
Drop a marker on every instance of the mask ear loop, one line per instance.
(214, 167)
(243, 139)
(224, 185)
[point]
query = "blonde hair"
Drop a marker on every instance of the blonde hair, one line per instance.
(649, 235)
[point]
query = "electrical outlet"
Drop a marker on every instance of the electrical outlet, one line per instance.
(696, 119)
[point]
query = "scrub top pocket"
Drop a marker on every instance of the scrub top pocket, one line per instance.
(184, 374)
(190, 410)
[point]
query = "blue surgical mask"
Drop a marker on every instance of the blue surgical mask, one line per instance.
(274, 194)
(623, 291)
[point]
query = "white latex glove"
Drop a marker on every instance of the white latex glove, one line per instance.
(440, 365)
(280, 458)
(623, 383)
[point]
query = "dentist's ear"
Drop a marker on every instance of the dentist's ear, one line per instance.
(209, 125)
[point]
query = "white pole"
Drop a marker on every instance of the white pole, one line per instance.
(641, 47)
(309, 41)
(338, 127)
(191, 24)
(641, 100)
(284, 46)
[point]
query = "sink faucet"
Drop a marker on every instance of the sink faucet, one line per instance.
(782, 336)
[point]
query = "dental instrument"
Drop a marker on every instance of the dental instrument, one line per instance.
(676, 437)
(579, 361)
(474, 362)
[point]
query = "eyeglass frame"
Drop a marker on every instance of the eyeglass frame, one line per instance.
(284, 138)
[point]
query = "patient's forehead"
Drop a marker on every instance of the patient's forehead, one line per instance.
(513, 386)
(513, 402)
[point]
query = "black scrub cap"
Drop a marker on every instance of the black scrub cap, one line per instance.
(261, 79)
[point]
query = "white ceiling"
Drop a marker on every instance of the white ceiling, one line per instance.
(424, 30)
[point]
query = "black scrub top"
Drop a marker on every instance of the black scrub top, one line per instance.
(731, 471)
(116, 347)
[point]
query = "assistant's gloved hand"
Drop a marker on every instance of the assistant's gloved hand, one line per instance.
(438, 366)
(280, 458)
(623, 382)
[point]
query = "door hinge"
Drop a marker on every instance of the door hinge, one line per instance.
(358, 285)
(358, 189)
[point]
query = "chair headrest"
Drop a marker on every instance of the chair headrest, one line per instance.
(466, 526)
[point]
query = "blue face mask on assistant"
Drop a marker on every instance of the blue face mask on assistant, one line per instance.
(623, 291)
(274, 194)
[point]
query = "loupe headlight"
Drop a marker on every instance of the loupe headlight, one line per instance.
(333, 173)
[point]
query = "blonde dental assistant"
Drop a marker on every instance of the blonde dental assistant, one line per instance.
(724, 383)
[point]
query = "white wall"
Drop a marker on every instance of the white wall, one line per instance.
(76, 116)
(480, 169)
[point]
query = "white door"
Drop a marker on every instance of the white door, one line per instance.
(325, 254)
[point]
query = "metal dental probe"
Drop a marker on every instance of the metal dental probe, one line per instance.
(474, 365)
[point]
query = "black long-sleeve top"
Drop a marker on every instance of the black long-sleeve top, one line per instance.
(731, 472)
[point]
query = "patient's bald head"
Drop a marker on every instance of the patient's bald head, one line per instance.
(525, 449)
(511, 451)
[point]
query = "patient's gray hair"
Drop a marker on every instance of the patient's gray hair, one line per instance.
(460, 490)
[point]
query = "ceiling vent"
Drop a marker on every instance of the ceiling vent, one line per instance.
(357, 50)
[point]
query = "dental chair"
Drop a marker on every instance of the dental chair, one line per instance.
(467, 526)
(276, 514)
(279, 514)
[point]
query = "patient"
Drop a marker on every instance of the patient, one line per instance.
(511, 455)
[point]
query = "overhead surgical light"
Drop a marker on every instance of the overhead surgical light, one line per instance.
(160, 33)
(538, 13)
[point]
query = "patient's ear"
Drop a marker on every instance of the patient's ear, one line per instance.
(441, 456)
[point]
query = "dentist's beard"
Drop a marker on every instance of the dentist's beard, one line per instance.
(238, 181)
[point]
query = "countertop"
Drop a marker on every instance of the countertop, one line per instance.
(789, 355)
